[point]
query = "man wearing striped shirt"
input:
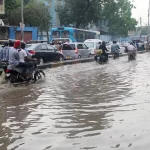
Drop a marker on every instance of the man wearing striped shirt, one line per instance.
(4, 53)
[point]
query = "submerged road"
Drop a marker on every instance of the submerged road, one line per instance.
(83, 106)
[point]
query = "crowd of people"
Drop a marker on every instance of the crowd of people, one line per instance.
(16, 55)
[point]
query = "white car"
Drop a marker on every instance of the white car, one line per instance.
(93, 45)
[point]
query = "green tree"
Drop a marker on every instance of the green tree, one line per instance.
(79, 13)
(116, 13)
(36, 14)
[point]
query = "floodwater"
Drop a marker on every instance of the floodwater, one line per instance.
(80, 107)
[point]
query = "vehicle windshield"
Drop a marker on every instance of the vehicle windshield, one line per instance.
(68, 47)
(31, 46)
(65, 34)
(89, 44)
(28, 45)
(55, 41)
(56, 34)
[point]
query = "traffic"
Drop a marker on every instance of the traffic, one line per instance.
(20, 60)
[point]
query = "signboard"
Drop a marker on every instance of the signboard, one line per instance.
(2, 6)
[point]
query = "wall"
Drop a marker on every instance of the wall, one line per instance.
(33, 30)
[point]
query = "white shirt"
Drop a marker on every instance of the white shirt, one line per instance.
(131, 48)
(22, 55)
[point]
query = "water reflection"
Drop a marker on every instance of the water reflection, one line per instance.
(84, 106)
(14, 108)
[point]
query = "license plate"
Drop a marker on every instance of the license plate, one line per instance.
(98, 57)
(68, 57)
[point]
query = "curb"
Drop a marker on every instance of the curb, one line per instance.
(77, 61)
(69, 62)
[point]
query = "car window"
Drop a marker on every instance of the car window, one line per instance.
(84, 46)
(43, 47)
(90, 44)
(80, 46)
(50, 48)
(28, 45)
(33, 47)
(68, 47)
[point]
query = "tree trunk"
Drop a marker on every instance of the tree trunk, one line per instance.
(78, 23)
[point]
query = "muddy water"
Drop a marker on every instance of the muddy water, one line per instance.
(83, 106)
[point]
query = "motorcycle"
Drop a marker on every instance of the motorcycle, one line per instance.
(115, 55)
(131, 55)
(101, 59)
(15, 76)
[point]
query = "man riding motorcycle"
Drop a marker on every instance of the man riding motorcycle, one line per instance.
(102, 51)
(14, 59)
(115, 49)
(131, 51)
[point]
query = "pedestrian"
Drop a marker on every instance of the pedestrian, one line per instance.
(4, 53)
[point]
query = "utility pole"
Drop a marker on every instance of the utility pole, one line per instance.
(148, 19)
(148, 38)
(140, 27)
(22, 21)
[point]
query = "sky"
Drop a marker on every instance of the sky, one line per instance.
(141, 10)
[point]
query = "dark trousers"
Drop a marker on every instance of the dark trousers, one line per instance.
(104, 54)
(25, 66)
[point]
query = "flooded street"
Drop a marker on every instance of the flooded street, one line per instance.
(80, 107)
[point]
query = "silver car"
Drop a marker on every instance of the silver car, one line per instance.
(75, 50)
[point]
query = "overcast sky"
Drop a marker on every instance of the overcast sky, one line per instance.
(141, 10)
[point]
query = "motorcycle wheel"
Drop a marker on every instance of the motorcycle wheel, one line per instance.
(13, 78)
(38, 75)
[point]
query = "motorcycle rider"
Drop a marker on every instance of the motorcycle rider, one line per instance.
(131, 49)
(104, 49)
(14, 58)
(25, 58)
(115, 48)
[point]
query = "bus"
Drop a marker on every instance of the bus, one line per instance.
(72, 35)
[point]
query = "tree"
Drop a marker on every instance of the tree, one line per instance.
(79, 13)
(36, 14)
(116, 14)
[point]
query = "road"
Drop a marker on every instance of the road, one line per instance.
(80, 107)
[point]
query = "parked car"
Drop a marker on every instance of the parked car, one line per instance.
(75, 51)
(36, 41)
(44, 52)
(93, 45)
